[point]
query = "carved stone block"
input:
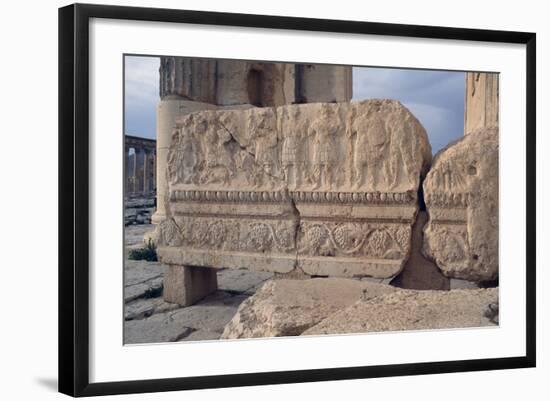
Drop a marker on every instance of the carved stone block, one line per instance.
(461, 194)
(327, 188)
(185, 285)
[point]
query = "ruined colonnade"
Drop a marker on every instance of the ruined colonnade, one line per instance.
(140, 165)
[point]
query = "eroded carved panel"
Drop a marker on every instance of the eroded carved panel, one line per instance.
(318, 184)
(461, 194)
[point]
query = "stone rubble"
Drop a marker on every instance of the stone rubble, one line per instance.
(139, 210)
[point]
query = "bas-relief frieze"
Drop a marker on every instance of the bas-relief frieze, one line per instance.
(346, 157)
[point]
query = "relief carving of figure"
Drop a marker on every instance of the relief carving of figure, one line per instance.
(266, 144)
(182, 158)
(448, 178)
(323, 130)
(401, 153)
(219, 163)
(290, 156)
(370, 149)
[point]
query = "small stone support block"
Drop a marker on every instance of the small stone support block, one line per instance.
(185, 285)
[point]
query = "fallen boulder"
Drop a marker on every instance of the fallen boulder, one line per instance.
(289, 307)
(413, 310)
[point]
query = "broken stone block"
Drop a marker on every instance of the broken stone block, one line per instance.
(327, 189)
(461, 194)
(413, 310)
(288, 307)
(185, 285)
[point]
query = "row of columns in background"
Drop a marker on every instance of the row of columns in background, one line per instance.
(140, 165)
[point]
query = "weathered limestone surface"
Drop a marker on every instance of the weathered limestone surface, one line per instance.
(192, 84)
(413, 310)
(327, 188)
(168, 110)
(462, 195)
(288, 307)
(185, 285)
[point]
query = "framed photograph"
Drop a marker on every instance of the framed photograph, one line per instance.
(251, 199)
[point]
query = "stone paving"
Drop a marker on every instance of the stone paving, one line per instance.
(148, 319)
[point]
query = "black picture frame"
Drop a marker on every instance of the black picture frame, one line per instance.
(74, 198)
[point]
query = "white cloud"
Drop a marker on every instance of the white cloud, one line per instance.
(141, 79)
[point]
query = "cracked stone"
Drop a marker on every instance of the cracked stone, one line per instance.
(142, 279)
(159, 328)
(288, 307)
(149, 289)
(462, 199)
(207, 316)
(328, 188)
(145, 307)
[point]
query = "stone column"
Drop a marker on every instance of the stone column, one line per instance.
(126, 170)
(154, 171)
(146, 167)
(132, 173)
(323, 83)
(138, 171)
(149, 176)
(480, 101)
(168, 110)
(151, 170)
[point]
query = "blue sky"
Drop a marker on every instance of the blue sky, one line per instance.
(436, 98)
